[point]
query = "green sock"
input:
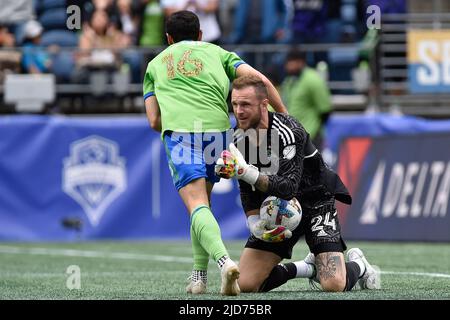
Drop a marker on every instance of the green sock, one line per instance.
(201, 257)
(207, 231)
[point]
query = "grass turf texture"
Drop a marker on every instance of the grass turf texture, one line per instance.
(158, 270)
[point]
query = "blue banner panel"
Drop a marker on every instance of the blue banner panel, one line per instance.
(109, 173)
(340, 127)
(400, 186)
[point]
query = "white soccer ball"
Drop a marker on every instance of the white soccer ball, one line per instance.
(277, 212)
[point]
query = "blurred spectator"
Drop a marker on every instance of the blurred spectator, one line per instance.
(306, 95)
(98, 41)
(9, 59)
(103, 5)
(226, 14)
(386, 6)
(35, 58)
(89, 7)
(14, 14)
(206, 11)
(309, 21)
(129, 21)
(260, 21)
(101, 42)
(15, 11)
(6, 38)
(152, 33)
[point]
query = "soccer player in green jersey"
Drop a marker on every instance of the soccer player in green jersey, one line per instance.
(185, 91)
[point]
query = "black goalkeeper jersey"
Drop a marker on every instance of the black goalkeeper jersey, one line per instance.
(293, 164)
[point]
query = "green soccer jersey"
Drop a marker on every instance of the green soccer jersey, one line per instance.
(191, 80)
(307, 98)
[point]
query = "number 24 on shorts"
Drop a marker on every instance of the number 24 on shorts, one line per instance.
(317, 221)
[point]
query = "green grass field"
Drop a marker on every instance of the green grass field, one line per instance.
(158, 270)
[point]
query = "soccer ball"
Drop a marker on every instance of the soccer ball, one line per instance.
(277, 212)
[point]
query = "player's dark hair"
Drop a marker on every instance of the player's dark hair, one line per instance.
(183, 25)
(252, 81)
(296, 54)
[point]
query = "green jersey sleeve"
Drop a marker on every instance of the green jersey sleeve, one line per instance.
(230, 62)
(149, 84)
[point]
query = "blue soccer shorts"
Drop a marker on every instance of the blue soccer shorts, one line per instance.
(193, 155)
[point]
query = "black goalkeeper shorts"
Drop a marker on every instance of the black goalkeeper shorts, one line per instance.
(319, 225)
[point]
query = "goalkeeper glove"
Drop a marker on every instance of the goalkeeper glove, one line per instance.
(257, 227)
(226, 165)
(232, 163)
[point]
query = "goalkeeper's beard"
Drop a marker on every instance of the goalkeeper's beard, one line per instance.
(253, 121)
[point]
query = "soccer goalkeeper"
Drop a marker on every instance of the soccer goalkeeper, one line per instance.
(276, 158)
(185, 91)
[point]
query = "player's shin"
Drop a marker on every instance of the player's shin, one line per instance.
(207, 231)
(201, 257)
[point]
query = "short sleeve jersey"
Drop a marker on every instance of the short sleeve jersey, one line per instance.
(191, 81)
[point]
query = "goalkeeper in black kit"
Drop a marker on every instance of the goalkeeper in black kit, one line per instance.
(272, 155)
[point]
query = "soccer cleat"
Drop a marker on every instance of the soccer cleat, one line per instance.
(371, 277)
(196, 287)
(314, 282)
(230, 274)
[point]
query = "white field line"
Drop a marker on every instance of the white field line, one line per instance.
(92, 274)
(148, 257)
(420, 274)
(93, 254)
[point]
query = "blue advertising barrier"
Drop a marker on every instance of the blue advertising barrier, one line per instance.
(398, 172)
(109, 173)
(378, 125)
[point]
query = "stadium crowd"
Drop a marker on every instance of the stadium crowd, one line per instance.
(110, 29)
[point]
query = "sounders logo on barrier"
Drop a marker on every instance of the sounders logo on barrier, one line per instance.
(94, 175)
(429, 61)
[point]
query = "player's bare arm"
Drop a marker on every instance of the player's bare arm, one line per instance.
(274, 97)
(262, 184)
(153, 113)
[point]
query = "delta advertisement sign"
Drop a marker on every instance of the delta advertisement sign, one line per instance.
(400, 187)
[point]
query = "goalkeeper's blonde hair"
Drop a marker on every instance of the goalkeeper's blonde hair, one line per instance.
(252, 81)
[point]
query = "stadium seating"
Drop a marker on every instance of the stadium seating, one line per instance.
(341, 61)
(63, 38)
(43, 5)
(63, 66)
(52, 4)
(53, 19)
